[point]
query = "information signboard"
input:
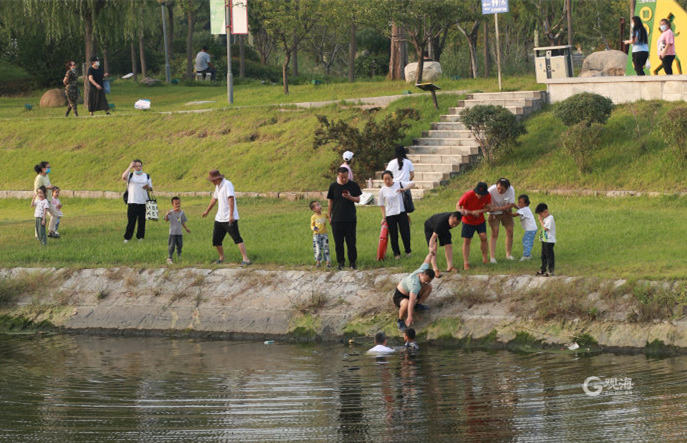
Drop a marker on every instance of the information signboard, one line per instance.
(494, 6)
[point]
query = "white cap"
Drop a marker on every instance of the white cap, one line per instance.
(347, 156)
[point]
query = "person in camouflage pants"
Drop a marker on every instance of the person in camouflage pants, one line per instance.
(71, 90)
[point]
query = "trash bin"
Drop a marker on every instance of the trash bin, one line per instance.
(553, 62)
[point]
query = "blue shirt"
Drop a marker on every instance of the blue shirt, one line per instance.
(639, 47)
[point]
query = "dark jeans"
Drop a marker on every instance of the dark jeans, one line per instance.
(135, 212)
(668, 64)
(175, 241)
(211, 71)
(345, 231)
(396, 223)
(547, 257)
(639, 60)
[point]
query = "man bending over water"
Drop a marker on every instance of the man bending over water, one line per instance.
(414, 289)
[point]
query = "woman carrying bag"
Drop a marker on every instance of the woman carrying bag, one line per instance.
(394, 212)
(136, 195)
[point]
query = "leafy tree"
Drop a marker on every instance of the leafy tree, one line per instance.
(586, 108)
(494, 127)
(373, 145)
(468, 23)
(580, 141)
(190, 9)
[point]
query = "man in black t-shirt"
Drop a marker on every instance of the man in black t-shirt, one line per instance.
(438, 226)
(342, 196)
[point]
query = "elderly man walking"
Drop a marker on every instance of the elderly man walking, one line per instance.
(227, 218)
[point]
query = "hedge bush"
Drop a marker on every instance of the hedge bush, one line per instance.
(494, 127)
(585, 107)
(580, 141)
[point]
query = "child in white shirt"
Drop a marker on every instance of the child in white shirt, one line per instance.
(55, 219)
(548, 239)
(41, 204)
(528, 225)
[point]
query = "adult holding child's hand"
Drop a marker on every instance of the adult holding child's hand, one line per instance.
(138, 185)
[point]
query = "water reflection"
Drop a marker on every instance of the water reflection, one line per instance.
(91, 389)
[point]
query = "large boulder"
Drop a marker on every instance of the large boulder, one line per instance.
(604, 63)
(431, 71)
(54, 98)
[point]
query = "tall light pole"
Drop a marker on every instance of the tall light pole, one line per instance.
(230, 77)
(168, 69)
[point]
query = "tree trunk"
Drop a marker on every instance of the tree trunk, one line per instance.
(191, 20)
(170, 28)
(472, 45)
(106, 64)
(420, 53)
(568, 13)
(134, 65)
(486, 49)
(295, 60)
(352, 49)
(396, 60)
(88, 36)
(144, 68)
(242, 57)
(285, 72)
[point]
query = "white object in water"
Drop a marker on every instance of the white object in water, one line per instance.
(573, 346)
(142, 104)
(269, 342)
(129, 75)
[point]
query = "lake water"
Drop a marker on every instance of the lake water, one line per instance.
(97, 389)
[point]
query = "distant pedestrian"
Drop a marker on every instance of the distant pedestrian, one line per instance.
(53, 230)
(502, 200)
(548, 240)
(203, 64)
(138, 184)
(528, 225)
(227, 218)
(42, 179)
(96, 94)
(71, 89)
(41, 204)
(474, 203)
(320, 238)
(342, 196)
(380, 345)
(177, 219)
(394, 213)
(666, 46)
(640, 45)
(348, 158)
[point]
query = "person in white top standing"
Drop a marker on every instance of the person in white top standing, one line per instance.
(528, 225)
(227, 218)
(138, 185)
(401, 167)
(502, 200)
(548, 239)
(394, 213)
(348, 157)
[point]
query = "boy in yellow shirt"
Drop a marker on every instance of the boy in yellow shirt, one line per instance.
(320, 239)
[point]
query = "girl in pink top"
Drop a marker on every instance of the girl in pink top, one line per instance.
(666, 47)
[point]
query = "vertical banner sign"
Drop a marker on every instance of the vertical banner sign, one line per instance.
(239, 16)
(651, 12)
(496, 7)
(217, 25)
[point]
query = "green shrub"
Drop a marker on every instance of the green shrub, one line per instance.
(584, 108)
(494, 127)
(373, 145)
(580, 141)
(674, 130)
(369, 65)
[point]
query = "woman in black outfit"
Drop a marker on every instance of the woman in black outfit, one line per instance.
(96, 93)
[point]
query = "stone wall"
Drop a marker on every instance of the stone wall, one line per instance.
(621, 89)
(322, 305)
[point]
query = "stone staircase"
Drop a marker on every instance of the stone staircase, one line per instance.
(448, 148)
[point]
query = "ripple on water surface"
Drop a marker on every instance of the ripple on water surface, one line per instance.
(93, 389)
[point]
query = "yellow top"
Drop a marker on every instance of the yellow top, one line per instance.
(318, 224)
(41, 180)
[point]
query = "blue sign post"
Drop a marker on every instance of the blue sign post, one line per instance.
(496, 7)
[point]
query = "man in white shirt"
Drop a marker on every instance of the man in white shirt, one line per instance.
(502, 200)
(380, 345)
(203, 65)
(227, 218)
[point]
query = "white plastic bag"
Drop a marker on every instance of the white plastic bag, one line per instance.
(142, 104)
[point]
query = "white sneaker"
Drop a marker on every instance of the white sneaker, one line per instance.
(510, 257)
(526, 258)
(140, 239)
(126, 241)
(493, 261)
(169, 261)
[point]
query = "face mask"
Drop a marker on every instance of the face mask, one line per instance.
(664, 27)
(97, 64)
(47, 171)
(74, 69)
(139, 172)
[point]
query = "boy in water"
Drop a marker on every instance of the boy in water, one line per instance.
(177, 219)
(320, 239)
(548, 239)
(410, 344)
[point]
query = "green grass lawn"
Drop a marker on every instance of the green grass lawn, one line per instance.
(611, 238)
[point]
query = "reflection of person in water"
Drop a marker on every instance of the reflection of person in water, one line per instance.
(352, 425)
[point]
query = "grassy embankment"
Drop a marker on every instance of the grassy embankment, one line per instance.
(633, 237)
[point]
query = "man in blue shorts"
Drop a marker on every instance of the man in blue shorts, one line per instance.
(474, 204)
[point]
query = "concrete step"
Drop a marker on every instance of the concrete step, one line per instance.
(486, 96)
(444, 150)
(450, 118)
(517, 110)
(439, 158)
(428, 141)
(521, 102)
(436, 167)
(447, 133)
(448, 126)
(423, 176)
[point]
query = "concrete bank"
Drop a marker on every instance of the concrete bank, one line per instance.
(306, 305)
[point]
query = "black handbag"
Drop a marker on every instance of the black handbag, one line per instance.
(408, 201)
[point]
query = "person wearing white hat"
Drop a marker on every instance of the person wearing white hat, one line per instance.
(348, 156)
